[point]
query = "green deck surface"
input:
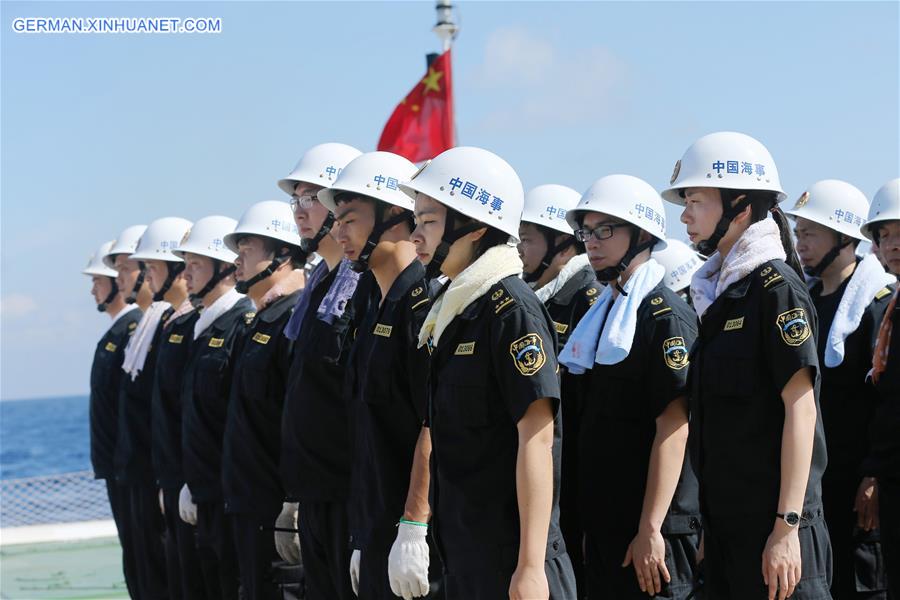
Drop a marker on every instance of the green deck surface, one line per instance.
(89, 569)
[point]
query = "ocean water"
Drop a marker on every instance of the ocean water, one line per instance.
(44, 436)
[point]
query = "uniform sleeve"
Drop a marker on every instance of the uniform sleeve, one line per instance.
(417, 361)
(669, 364)
(524, 360)
(789, 329)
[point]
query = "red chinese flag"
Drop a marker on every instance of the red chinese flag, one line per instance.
(422, 124)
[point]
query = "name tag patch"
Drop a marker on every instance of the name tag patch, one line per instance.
(383, 330)
(216, 342)
(261, 338)
(732, 324)
(465, 349)
(110, 347)
(175, 338)
(560, 327)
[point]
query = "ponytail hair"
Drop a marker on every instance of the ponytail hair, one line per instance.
(763, 203)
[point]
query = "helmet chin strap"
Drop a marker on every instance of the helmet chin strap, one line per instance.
(220, 274)
(361, 264)
(311, 245)
(135, 290)
(708, 246)
(173, 269)
(109, 297)
(243, 287)
(610, 274)
(826, 261)
(449, 237)
(549, 255)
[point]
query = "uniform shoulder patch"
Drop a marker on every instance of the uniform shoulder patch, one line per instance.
(501, 299)
(249, 316)
(769, 276)
(794, 326)
(528, 354)
(659, 307)
(419, 298)
(883, 293)
(592, 293)
(675, 353)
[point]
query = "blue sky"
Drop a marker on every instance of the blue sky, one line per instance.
(104, 131)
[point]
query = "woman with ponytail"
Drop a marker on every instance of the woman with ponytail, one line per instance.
(756, 437)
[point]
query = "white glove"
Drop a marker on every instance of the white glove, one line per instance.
(162, 503)
(187, 510)
(408, 562)
(354, 571)
(288, 544)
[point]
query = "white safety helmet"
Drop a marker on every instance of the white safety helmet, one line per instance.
(833, 204)
(680, 261)
(885, 206)
(126, 243)
(96, 265)
(161, 237)
(626, 198)
(726, 160)
(320, 165)
(474, 182)
(374, 174)
(207, 238)
(269, 218)
(548, 205)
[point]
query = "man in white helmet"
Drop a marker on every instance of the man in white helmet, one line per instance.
(493, 407)
(386, 377)
(557, 268)
(850, 296)
(268, 254)
(135, 448)
(633, 344)
(165, 272)
(315, 430)
(209, 274)
(883, 460)
(106, 375)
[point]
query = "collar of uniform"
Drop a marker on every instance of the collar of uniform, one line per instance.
(739, 288)
(128, 308)
(580, 280)
(414, 273)
(181, 319)
(279, 307)
(226, 320)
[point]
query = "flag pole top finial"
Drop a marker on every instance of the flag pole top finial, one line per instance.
(446, 27)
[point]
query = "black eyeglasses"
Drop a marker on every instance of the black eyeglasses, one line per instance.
(600, 232)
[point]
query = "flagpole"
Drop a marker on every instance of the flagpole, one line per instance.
(446, 27)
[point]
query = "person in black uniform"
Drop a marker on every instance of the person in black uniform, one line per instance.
(493, 408)
(556, 267)
(225, 313)
(106, 374)
(133, 459)
(883, 460)
(634, 341)
(315, 434)
(757, 441)
(850, 297)
(268, 250)
(182, 563)
(386, 377)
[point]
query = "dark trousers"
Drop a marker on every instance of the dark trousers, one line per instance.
(570, 521)
(889, 516)
(373, 569)
(858, 563)
(148, 532)
(215, 550)
(182, 561)
(491, 581)
(121, 508)
(254, 544)
(325, 550)
(607, 579)
(733, 548)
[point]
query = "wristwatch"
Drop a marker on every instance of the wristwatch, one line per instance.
(792, 518)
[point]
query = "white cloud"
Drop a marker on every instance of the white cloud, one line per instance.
(541, 85)
(13, 306)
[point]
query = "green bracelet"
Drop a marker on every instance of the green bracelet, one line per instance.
(405, 522)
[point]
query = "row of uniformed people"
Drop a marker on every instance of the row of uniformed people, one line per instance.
(383, 426)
